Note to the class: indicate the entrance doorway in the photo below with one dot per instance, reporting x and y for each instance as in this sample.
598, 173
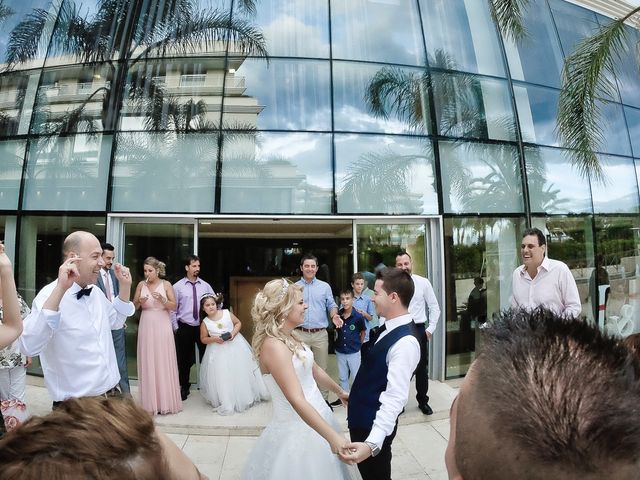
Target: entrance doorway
239, 255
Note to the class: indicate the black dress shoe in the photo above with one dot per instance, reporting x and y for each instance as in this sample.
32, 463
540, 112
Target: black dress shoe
336, 403
426, 409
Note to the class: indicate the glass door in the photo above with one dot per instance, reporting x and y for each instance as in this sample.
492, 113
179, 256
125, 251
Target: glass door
169, 240
377, 243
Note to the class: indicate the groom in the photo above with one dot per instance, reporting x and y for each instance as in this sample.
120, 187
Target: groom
381, 387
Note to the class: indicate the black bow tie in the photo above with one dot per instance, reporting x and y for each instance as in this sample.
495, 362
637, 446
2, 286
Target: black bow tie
375, 333
82, 292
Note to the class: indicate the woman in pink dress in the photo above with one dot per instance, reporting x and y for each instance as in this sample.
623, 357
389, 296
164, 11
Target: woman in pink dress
157, 367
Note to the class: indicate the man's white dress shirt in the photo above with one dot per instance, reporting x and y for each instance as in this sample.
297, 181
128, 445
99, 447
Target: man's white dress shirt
74, 343
424, 296
553, 287
402, 360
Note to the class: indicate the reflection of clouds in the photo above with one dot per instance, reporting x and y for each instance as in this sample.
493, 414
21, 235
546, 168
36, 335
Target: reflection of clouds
351, 113
558, 174
353, 149
290, 36
295, 93
357, 26
310, 152
620, 192
447, 27
350, 118
614, 130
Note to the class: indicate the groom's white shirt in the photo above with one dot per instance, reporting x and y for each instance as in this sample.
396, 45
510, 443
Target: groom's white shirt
402, 360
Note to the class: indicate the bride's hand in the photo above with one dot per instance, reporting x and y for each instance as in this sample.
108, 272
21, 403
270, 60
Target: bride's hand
338, 443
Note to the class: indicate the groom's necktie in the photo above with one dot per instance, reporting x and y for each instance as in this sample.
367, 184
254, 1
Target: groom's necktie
375, 333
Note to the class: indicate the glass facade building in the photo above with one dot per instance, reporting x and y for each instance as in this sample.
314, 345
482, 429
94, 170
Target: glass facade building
252, 131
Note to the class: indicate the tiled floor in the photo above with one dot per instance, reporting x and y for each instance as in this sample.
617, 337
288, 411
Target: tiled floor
418, 452
220, 445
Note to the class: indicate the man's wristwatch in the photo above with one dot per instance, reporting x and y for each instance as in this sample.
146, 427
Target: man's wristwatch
374, 448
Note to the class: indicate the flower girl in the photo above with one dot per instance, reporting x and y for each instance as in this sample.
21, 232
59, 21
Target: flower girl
229, 376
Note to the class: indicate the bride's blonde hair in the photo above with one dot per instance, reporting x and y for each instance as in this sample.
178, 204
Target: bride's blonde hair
271, 307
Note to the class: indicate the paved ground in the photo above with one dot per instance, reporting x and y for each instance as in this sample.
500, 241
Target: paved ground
219, 445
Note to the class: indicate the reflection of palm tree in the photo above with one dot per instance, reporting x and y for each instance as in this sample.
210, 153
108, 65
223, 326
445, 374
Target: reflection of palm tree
585, 81
5, 11
459, 108
380, 182
125, 30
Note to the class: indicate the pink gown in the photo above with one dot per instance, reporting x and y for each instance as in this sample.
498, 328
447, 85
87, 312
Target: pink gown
157, 366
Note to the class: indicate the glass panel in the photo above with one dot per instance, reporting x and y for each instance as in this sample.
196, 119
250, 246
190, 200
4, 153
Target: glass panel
479, 178
378, 245
89, 31
470, 106
24, 32
360, 91
461, 35
614, 130
276, 173
574, 23
17, 91
293, 28
538, 57
172, 29
356, 27
170, 244
480, 257
385, 174
67, 173
617, 274
633, 121
156, 172
183, 95
619, 192
555, 185
537, 111
626, 69
74, 99
283, 95
11, 161
40, 248
570, 240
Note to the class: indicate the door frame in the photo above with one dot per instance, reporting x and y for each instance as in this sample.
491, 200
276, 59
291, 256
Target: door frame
434, 251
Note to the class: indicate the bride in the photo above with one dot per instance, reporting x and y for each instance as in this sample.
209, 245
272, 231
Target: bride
302, 439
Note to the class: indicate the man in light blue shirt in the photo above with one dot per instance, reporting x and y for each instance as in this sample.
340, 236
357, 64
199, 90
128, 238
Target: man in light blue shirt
319, 299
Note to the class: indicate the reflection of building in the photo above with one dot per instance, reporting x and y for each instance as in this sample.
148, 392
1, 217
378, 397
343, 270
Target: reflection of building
160, 118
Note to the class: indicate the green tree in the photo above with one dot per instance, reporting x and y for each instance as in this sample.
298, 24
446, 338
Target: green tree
585, 80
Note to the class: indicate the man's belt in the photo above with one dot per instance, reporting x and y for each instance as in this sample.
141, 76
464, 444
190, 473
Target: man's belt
310, 330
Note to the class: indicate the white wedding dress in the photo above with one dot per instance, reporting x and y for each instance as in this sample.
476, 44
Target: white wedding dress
288, 448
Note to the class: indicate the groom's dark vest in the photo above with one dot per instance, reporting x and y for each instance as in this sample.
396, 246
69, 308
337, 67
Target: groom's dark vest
371, 380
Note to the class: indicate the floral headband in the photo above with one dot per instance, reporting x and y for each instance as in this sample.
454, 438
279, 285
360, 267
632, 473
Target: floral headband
285, 287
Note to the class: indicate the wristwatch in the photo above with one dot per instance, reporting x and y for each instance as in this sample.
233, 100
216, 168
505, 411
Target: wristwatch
374, 448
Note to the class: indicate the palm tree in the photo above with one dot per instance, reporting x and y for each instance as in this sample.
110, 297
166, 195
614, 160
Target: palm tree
585, 81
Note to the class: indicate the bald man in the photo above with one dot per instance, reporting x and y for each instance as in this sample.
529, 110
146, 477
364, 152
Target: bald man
71, 321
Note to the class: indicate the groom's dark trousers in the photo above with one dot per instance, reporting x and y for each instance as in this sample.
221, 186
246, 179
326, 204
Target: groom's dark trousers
378, 467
